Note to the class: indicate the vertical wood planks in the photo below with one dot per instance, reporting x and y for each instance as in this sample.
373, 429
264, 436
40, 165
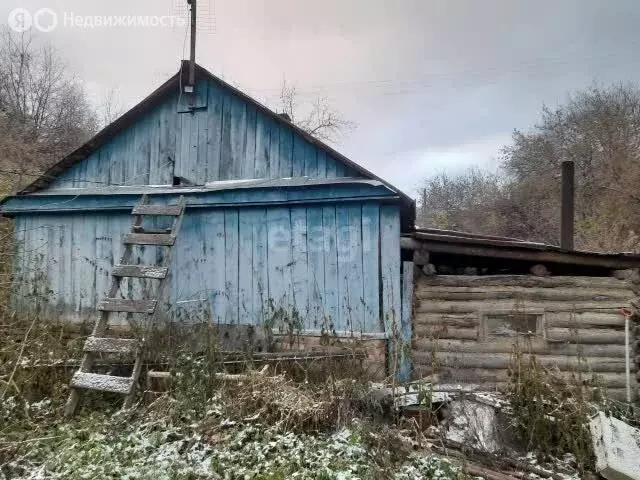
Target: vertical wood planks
286, 152
321, 164
331, 287
279, 263
227, 139
262, 166
390, 267
298, 161
260, 275
299, 263
315, 268
246, 308
226, 158
404, 367
214, 116
310, 159
215, 251
371, 266
274, 149
344, 252
247, 163
235, 115
231, 265
322, 261
355, 269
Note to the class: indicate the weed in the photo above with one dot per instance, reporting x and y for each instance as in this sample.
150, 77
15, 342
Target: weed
551, 412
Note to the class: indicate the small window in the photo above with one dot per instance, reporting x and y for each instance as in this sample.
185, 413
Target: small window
496, 325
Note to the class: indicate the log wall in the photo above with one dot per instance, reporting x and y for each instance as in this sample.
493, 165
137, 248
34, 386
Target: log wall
580, 328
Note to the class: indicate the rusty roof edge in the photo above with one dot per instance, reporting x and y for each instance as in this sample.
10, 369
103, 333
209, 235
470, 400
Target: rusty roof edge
510, 243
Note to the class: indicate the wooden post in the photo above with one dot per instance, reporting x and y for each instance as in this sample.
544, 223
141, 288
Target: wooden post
567, 218
406, 324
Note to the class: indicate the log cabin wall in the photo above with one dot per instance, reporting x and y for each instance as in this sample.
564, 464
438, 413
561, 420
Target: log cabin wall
465, 327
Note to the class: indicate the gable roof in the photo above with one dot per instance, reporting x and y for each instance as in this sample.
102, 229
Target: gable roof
170, 87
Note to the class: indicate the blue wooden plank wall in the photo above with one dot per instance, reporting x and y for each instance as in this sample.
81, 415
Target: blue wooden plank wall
228, 140
324, 267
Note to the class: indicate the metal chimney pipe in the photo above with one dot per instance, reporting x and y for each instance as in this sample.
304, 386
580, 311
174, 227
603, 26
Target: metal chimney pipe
567, 212
192, 57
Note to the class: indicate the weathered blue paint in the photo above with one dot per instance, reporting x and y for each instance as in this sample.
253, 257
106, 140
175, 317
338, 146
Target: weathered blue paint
241, 265
279, 230
406, 328
226, 139
197, 198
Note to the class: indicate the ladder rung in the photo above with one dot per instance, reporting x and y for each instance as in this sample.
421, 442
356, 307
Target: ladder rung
126, 305
103, 383
149, 239
140, 271
173, 210
141, 229
111, 345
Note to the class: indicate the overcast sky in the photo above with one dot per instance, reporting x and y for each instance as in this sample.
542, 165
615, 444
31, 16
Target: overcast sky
433, 85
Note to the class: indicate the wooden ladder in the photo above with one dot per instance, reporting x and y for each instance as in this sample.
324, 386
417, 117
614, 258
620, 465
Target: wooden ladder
97, 343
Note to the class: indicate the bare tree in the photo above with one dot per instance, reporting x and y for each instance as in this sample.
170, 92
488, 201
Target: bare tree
110, 107
41, 100
599, 129
317, 117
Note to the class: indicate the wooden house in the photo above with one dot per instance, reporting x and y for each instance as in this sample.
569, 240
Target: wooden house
476, 297
283, 233
280, 230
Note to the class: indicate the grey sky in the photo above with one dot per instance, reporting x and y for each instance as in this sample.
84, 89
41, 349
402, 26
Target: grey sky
434, 85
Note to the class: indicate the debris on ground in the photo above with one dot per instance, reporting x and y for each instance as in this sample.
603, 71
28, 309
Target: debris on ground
617, 448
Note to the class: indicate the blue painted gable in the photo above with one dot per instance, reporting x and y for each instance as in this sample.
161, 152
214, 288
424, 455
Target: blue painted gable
223, 138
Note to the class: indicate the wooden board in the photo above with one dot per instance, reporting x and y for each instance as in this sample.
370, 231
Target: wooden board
172, 210
140, 271
102, 383
149, 239
111, 345
125, 305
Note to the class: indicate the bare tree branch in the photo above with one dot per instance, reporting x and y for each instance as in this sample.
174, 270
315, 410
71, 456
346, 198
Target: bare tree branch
317, 117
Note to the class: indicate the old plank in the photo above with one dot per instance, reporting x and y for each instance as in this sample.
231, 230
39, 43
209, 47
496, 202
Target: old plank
169, 210
445, 331
599, 336
495, 361
473, 375
149, 239
430, 306
406, 321
126, 305
103, 383
140, 271
523, 293
584, 320
371, 266
464, 320
331, 292
523, 281
390, 267
111, 345
506, 346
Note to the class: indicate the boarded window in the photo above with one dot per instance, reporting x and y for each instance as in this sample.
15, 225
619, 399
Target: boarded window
512, 324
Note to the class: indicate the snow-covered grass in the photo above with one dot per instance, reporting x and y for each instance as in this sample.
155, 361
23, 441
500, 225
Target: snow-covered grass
145, 445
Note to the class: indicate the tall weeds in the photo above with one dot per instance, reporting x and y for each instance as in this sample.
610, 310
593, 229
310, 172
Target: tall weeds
551, 412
